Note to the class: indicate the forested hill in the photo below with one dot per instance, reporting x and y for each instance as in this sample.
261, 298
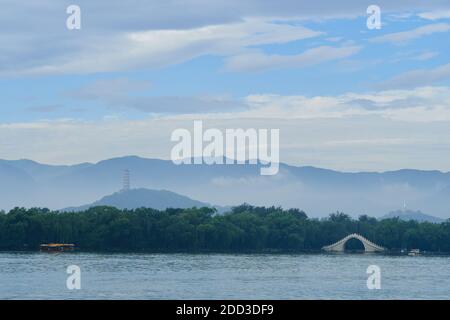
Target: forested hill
412, 215
137, 198
243, 229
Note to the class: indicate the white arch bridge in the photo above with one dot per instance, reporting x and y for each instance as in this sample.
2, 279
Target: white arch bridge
339, 246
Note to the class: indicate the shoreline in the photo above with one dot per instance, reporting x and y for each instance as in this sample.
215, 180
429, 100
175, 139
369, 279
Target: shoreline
241, 253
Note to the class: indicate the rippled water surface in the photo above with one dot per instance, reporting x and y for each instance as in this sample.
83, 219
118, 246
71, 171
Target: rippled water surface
222, 276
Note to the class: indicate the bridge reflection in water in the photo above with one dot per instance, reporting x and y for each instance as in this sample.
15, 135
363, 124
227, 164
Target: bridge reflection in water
339, 246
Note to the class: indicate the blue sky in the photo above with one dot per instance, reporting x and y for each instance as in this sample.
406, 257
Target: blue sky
140, 69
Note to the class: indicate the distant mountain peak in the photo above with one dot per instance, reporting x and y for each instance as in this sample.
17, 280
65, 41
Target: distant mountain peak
407, 215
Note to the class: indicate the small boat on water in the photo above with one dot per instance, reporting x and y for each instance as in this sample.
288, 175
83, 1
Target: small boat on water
57, 247
414, 252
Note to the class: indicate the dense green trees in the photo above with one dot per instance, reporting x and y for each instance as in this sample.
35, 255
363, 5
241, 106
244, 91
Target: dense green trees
244, 229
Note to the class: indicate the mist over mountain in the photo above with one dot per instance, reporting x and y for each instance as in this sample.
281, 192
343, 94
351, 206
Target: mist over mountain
317, 191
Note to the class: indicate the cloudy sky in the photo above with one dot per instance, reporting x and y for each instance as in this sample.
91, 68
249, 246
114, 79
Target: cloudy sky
343, 96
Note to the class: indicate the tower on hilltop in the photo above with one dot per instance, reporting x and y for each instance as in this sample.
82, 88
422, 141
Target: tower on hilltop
126, 180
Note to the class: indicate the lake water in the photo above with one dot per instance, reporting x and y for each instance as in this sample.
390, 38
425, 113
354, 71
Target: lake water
222, 276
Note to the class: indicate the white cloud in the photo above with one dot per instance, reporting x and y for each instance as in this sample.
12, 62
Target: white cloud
111, 88
258, 61
406, 36
414, 55
119, 94
419, 77
423, 104
118, 36
156, 48
435, 15
426, 104
426, 55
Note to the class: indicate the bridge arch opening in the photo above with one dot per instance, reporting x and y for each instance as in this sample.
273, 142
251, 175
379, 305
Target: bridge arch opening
354, 245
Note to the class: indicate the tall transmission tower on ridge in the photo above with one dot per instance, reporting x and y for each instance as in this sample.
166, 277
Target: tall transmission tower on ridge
126, 180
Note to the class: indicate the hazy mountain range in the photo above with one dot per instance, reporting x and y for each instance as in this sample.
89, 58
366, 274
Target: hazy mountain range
317, 191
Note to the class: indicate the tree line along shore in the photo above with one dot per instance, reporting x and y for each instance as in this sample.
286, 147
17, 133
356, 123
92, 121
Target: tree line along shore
244, 228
